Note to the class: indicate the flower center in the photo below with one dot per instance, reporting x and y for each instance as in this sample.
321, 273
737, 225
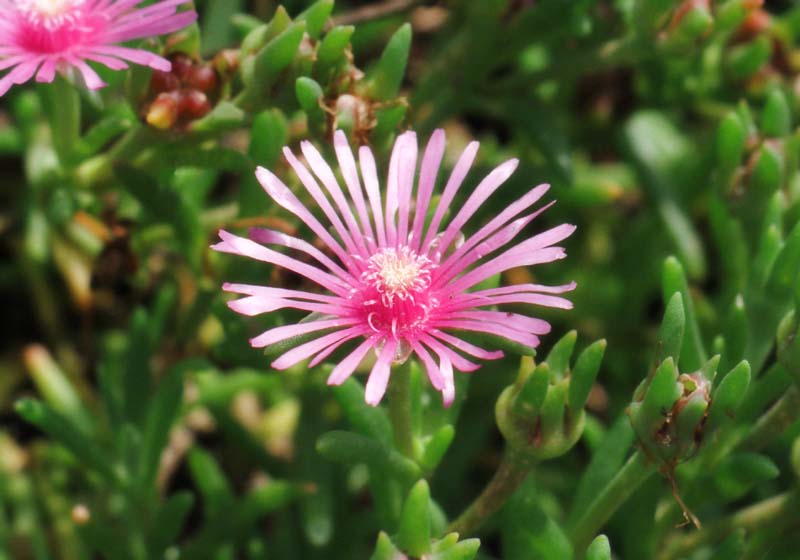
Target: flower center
51, 14
396, 290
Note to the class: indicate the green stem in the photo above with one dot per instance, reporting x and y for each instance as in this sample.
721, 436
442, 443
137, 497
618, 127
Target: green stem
509, 476
621, 487
399, 394
768, 513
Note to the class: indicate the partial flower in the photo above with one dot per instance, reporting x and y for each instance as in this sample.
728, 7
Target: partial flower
396, 277
38, 37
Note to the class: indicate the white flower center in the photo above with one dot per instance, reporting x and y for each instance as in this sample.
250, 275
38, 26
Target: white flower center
398, 274
50, 13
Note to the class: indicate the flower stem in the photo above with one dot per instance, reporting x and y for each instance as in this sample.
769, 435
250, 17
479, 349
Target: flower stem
509, 476
781, 508
399, 393
621, 487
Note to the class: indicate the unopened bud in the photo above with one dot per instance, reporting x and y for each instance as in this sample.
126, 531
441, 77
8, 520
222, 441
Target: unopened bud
193, 103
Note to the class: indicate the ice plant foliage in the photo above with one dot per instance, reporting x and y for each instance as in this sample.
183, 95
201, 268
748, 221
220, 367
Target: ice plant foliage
397, 278
38, 37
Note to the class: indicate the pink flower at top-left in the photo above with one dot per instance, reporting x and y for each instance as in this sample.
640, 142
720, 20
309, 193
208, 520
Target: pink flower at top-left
40, 37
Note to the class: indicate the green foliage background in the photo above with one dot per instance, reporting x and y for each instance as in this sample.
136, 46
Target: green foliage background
137, 423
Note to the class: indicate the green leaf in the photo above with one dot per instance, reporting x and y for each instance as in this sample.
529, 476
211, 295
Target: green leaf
600, 549
385, 549
331, 51
729, 394
462, 550
663, 392
731, 548
367, 420
735, 332
316, 16
137, 377
261, 70
776, 120
385, 78
693, 353
552, 411
731, 138
670, 335
224, 116
268, 134
436, 448
414, 533
349, 448
738, 473
785, 274
559, 356
584, 374
745, 60
167, 522
534, 391
210, 480
265, 499
66, 433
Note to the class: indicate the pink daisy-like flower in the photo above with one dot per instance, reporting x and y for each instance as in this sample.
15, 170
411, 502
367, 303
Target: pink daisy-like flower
38, 37
397, 281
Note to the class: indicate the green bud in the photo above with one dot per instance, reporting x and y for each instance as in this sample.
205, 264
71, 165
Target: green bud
534, 390
693, 24
384, 80
776, 120
745, 60
414, 534
310, 96
730, 15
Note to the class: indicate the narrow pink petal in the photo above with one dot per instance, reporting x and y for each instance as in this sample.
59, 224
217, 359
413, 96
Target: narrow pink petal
319, 197
483, 191
379, 376
285, 198
526, 297
109, 61
19, 75
513, 320
322, 170
245, 247
520, 288
279, 334
305, 351
47, 72
502, 237
451, 188
434, 375
269, 291
318, 359
466, 347
458, 361
90, 77
347, 164
431, 161
392, 193
370, 174
347, 366
406, 171
139, 56
449, 390
255, 305
510, 259
509, 213
269, 236
493, 329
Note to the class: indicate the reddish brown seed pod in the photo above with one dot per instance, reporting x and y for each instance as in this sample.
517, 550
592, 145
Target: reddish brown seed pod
164, 81
181, 66
193, 103
202, 78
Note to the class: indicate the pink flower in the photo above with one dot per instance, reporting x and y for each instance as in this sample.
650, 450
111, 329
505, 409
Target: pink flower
397, 279
38, 37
